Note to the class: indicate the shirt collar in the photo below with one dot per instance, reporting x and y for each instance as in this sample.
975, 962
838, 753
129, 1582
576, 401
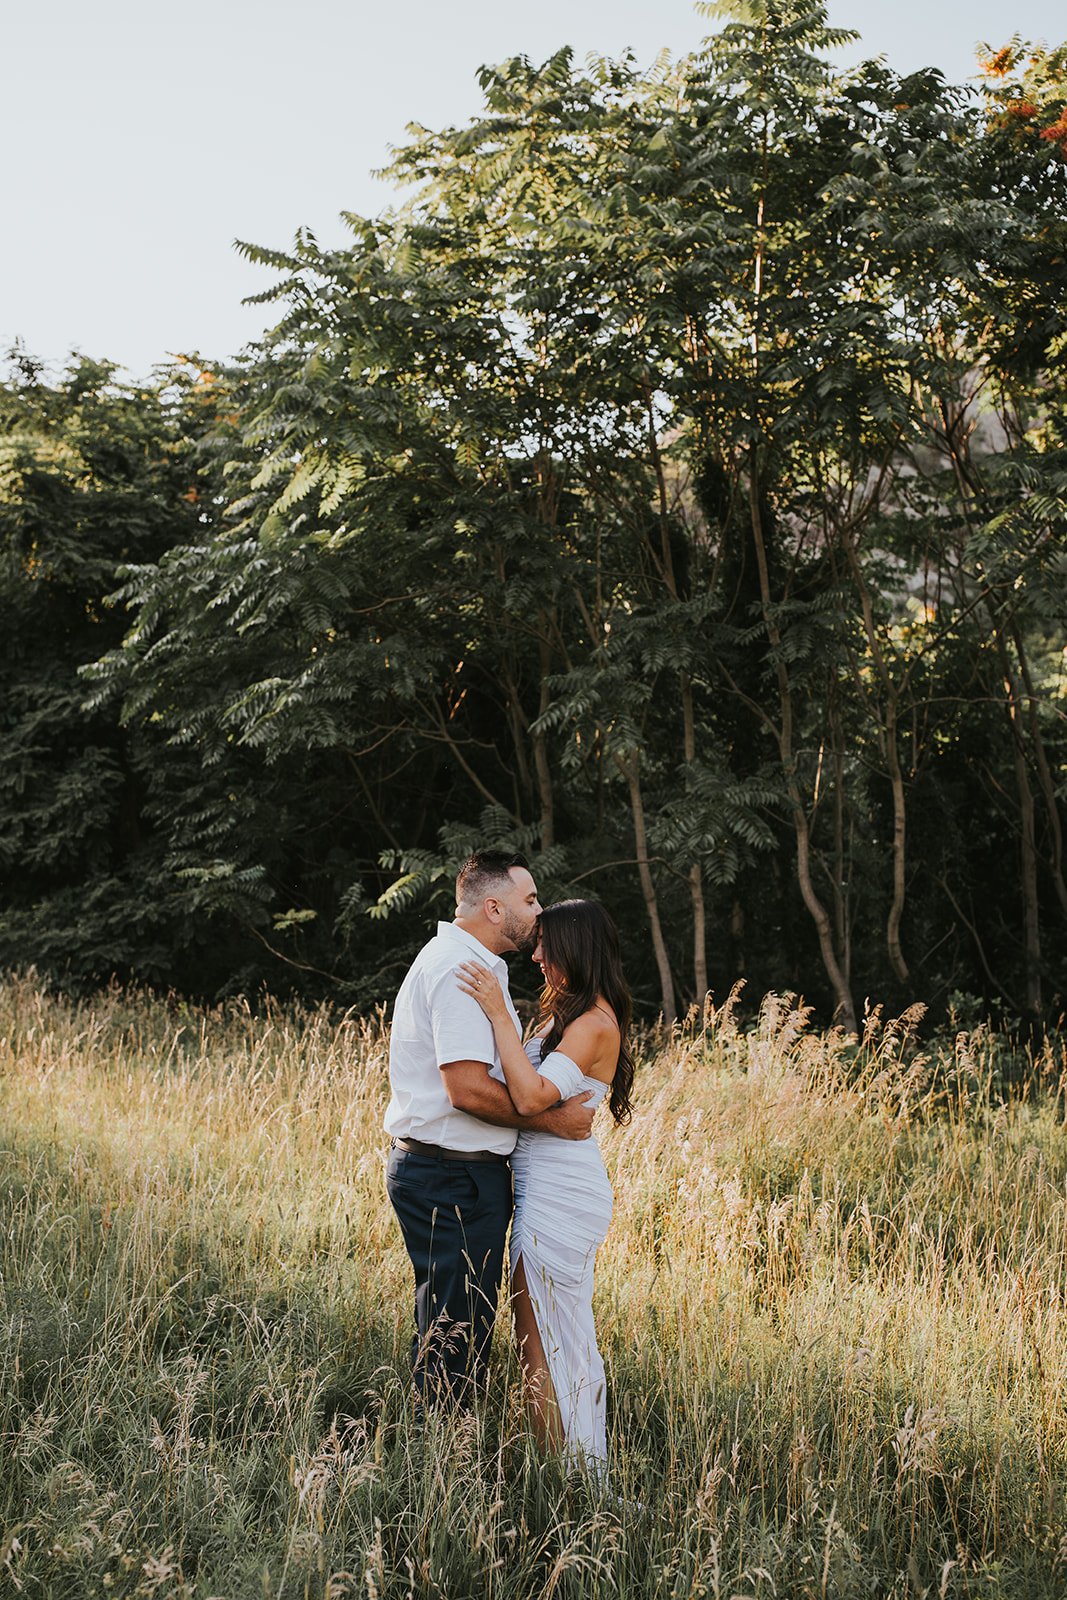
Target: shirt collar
491, 959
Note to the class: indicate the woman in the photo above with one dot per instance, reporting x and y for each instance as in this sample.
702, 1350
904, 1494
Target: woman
563, 1196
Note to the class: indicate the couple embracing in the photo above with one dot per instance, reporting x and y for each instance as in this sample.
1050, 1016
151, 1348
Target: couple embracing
486, 1131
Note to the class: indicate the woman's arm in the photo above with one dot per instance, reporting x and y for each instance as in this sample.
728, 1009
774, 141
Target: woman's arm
529, 1091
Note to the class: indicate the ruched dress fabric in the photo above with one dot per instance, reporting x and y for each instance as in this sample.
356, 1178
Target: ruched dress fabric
563, 1205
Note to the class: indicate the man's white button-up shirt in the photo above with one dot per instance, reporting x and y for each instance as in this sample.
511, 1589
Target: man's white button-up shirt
434, 1023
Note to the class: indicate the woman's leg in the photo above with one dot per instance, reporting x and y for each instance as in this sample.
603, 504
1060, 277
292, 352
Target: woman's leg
540, 1395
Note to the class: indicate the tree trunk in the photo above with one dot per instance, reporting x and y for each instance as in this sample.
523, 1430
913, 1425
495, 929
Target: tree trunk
543, 773
842, 880
1048, 788
896, 779
887, 738
629, 765
696, 876
518, 723
844, 1007
700, 951
969, 488
737, 937
1027, 852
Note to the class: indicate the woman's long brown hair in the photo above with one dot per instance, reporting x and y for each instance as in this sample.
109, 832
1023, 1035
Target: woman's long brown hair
580, 943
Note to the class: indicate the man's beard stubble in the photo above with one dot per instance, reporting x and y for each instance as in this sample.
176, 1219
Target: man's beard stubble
522, 935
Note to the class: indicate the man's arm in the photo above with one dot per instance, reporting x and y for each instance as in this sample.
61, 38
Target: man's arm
470, 1088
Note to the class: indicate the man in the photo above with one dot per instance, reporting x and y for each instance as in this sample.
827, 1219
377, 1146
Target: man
453, 1126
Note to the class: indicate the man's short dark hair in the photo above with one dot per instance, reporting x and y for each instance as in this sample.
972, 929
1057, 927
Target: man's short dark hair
486, 871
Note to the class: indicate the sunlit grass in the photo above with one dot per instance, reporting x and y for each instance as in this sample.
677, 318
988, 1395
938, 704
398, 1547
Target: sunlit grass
831, 1305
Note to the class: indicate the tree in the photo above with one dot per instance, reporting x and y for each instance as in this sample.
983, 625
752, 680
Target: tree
673, 487
93, 474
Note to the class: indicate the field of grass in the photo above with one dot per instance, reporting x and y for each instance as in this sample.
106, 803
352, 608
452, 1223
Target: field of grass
832, 1308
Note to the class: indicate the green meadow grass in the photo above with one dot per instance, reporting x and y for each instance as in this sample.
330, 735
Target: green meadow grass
831, 1306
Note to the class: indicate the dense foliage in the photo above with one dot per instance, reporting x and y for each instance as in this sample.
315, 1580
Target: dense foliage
675, 486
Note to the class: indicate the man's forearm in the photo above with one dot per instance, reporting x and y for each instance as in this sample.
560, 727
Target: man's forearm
489, 1101
542, 1121
471, 1089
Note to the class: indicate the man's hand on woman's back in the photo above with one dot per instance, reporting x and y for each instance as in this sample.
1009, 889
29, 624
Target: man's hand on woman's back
571, 1119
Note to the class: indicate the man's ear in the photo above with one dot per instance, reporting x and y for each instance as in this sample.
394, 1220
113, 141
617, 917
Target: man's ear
491, 908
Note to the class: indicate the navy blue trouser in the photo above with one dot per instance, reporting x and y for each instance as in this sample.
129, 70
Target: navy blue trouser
454, 1216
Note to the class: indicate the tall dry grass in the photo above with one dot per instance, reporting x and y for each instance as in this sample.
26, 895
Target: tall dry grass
831, 1305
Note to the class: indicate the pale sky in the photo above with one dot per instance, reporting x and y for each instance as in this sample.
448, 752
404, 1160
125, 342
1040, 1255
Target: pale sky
140, 139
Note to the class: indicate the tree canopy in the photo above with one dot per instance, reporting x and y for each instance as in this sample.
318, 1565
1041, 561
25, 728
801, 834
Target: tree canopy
673, 486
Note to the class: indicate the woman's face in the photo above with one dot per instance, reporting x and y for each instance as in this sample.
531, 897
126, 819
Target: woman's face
551, 975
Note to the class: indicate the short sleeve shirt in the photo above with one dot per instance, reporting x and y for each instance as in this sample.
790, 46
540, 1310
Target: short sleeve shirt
434, 1023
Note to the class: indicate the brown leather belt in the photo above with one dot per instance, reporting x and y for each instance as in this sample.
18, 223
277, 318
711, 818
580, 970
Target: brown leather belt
416, 1147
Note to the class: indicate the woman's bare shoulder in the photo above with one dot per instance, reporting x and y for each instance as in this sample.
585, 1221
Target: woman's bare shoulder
592, 1040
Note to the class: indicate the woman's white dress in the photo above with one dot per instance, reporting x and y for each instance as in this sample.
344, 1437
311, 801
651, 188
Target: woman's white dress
563, 1206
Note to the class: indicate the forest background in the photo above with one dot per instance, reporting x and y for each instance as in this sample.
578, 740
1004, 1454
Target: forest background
673, 487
